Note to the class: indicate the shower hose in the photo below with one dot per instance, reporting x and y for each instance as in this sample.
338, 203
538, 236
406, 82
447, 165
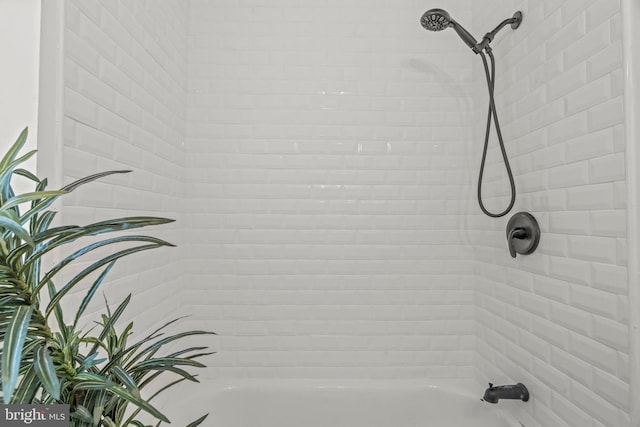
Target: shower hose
492, 113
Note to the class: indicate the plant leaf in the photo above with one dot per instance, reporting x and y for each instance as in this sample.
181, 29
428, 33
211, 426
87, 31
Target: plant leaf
97, 382
120, 392
87, 179
108, 422
198, 421
81, 413
154, 347
126, 379
13, 151
58, 310
15, 228
90, 381
96, 265
91, 292
7, 172
27, 174
83, 251
113, 318
27, 388
28, 197
14, 338
46, 371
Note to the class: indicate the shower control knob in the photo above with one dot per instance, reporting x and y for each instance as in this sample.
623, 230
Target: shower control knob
523, 234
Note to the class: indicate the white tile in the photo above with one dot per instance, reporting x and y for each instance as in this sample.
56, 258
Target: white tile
565, 83
573, 29
573, 366
568, 410
591, 248
600, 11
607, 60
572, 318
595, 405
611, 223
598, 196
569, 175
593, 352
607, 168
592, 145
594, 300
611, 333
594, 41
606, 115
594, 93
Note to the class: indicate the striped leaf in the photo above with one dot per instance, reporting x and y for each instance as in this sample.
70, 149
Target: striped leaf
14, 150
81, 413
145, 406
29, 197
198, 421
15, 228
91, 292
14, 338
27, 174
27, 388
89, 248
126, 380
58, 310
96, 382
88, 179
90, 269
7, 172
46, 371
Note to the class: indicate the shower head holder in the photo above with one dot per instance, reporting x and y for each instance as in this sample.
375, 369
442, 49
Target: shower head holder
514, 21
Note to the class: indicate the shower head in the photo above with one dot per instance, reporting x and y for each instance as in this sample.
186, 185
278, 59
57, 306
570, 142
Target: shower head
439, 19
435, 20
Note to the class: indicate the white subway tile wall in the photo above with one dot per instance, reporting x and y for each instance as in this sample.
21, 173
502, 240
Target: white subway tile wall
556, 320
125, 108
321, 162
328, 177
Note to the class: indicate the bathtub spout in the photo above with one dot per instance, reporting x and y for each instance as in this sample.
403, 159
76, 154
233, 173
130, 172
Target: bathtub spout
494, 393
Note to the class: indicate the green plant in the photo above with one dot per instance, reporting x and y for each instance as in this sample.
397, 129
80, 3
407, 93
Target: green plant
46, 359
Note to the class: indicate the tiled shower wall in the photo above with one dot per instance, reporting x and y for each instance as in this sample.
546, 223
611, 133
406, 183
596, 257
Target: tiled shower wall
328, 165
124, 108
557, 320
328, 186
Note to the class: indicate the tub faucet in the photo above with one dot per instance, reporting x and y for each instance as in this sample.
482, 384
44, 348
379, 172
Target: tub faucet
495, 393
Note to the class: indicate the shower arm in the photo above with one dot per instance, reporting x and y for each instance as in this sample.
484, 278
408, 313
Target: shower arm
515, 21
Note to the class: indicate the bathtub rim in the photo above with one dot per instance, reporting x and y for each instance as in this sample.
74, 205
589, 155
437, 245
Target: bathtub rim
464, 389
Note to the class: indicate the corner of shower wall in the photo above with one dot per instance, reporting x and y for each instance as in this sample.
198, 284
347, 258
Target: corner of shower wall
123, 106
557, 320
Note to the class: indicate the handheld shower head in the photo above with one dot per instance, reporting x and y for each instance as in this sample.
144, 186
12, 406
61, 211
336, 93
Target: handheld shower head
439, 19
435, 20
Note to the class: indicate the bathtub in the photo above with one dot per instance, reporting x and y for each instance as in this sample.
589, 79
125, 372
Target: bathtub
357, 404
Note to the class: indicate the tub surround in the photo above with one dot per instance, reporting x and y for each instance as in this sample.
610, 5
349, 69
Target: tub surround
321, 160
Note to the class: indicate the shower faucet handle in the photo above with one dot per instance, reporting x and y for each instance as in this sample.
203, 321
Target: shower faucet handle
523, 234
515, 233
